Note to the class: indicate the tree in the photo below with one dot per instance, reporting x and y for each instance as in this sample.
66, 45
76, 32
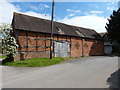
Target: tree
9, 42
113, 27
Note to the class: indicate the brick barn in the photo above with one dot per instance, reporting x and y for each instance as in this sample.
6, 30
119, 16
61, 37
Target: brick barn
33, 37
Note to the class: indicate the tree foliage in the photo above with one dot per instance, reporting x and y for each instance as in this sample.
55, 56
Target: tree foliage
9, 42
113, 26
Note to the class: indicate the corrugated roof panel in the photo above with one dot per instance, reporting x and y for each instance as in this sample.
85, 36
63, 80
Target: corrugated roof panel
79, 33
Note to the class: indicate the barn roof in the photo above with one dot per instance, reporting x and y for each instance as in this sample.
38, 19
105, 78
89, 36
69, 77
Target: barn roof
30, 23
102, 34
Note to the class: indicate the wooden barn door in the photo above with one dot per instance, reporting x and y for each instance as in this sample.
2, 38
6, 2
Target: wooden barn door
62, 49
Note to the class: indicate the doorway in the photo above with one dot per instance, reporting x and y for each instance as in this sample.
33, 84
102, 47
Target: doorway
61, 49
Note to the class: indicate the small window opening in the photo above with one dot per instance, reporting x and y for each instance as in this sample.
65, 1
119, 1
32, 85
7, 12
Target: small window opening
60, 31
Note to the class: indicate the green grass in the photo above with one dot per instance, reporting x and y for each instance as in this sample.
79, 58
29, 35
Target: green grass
35, 62
3, 56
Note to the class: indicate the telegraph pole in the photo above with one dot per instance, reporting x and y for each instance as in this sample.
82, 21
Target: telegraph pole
52, 26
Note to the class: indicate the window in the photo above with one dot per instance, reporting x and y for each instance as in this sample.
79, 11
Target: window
94, 46
96, 41
60, 31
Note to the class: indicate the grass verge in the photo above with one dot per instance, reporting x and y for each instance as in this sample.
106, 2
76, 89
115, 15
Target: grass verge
35, 62
3, 56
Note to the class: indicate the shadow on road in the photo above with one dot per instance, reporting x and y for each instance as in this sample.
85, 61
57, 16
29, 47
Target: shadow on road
114, 80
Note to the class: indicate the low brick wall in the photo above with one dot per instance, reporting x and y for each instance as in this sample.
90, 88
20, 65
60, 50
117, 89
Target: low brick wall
22, 56
0, 45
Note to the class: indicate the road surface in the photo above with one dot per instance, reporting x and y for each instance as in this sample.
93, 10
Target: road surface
87, 72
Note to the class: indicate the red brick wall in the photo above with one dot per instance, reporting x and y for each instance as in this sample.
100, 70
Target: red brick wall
76, 47
22, 56
91, 47
98, 49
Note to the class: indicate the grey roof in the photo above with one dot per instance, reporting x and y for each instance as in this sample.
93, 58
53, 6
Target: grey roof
29, 23
102, 34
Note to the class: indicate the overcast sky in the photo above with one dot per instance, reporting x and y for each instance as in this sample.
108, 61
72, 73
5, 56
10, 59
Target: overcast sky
92, 15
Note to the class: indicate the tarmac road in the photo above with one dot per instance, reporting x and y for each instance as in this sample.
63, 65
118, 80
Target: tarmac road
87, 72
